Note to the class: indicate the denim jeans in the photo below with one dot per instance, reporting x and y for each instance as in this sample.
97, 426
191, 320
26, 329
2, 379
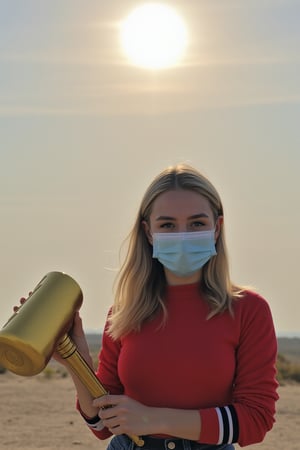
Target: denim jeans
123, 442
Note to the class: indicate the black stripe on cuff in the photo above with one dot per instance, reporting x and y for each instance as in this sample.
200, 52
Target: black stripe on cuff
92, 420
225, 426
235, 423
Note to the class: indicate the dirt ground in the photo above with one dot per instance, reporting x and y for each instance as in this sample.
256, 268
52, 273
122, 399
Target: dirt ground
39, 413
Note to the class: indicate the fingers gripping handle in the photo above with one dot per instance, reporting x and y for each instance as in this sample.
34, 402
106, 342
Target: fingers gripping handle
68, 351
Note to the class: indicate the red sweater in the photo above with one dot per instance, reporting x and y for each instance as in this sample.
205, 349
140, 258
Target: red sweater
224, 367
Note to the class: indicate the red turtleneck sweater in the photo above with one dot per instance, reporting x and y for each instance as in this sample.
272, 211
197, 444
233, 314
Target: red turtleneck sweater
224, 367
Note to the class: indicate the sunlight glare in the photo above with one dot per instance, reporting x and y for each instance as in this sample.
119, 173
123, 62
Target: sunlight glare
153, 36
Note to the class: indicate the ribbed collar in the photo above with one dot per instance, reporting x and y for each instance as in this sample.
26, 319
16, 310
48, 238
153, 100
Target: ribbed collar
183, 289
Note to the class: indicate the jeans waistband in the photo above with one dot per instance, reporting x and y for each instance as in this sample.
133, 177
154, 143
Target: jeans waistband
151, 443
163, 444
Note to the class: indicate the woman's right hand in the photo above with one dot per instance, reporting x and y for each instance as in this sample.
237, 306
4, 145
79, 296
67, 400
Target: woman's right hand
77, 335
21, 301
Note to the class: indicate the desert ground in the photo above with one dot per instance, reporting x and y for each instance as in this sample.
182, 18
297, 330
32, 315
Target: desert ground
39, 413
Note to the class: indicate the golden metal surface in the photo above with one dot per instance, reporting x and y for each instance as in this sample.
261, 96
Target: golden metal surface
29, 338
67, 350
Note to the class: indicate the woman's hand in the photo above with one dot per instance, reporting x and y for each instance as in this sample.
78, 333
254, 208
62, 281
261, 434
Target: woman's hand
77, 335
123, 415
21, 301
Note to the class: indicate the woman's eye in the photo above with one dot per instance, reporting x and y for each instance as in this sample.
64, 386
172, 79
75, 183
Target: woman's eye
197, 224
167, 225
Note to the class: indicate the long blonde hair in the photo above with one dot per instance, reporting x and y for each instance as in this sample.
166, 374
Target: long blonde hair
141, 281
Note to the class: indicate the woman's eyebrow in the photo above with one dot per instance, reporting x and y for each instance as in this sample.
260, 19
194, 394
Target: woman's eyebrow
165, 218
194, 216
199, 216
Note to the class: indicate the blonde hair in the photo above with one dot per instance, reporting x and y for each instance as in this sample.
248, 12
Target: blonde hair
141, 281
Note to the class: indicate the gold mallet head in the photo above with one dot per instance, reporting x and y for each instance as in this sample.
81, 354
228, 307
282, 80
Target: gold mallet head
30, 336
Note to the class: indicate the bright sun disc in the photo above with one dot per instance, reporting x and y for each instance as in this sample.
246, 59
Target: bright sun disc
153, 36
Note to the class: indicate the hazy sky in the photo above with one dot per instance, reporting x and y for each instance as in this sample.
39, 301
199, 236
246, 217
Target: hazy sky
83, 132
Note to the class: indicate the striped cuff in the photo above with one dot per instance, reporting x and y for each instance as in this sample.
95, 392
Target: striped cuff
95, 423
228, 425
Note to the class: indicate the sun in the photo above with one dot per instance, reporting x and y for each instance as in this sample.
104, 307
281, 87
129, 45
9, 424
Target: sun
153, 36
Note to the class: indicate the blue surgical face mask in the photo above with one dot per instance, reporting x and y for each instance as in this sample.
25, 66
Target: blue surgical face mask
184, 253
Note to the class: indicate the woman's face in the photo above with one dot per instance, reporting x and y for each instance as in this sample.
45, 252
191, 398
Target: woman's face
180, 211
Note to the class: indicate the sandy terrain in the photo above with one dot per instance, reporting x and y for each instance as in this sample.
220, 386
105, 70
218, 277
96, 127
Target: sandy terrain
39, 413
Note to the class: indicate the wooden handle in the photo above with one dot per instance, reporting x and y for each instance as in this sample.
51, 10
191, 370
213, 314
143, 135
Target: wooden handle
68, 351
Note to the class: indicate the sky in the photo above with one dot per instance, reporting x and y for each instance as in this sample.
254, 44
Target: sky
83, 132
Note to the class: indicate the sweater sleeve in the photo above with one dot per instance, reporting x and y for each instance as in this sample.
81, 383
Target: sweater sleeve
252, 411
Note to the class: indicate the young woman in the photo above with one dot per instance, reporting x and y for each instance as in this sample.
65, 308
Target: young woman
188, 358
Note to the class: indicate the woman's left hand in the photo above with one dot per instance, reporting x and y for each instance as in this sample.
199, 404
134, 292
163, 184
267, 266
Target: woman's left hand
123, 415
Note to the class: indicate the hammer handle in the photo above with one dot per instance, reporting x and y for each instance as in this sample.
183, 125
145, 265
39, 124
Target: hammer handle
68, 351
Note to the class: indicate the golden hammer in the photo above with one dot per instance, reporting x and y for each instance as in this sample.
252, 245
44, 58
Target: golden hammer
40, 326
